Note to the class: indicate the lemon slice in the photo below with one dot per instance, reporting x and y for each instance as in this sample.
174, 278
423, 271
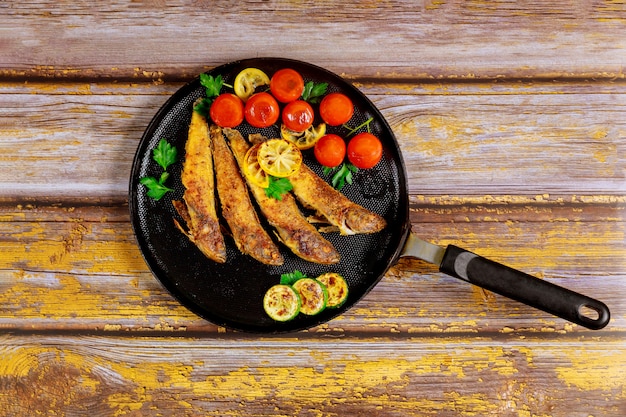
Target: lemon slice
252, 169
306, 139
247, 81
279, 157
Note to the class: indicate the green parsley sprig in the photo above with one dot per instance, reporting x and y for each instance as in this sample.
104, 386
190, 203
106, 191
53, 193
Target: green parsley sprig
313, 92
342, 174
164, 155
156, 188
213, 87
278, 187
290, 278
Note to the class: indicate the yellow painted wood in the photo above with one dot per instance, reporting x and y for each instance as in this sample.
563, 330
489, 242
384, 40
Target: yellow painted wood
431, 376
77, 269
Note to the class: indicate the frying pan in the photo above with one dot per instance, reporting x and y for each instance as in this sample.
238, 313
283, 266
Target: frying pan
231, 294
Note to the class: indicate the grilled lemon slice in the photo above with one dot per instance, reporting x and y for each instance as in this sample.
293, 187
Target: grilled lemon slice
279, 158
306, 139
247, 81
252, 169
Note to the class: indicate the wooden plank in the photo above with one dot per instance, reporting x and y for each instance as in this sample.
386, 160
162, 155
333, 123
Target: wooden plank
429, 39
76, 141
81, 269
442, 376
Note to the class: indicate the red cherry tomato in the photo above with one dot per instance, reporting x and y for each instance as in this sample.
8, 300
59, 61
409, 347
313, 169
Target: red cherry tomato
286, 85
298, 115
364, 150
330, 150
227, 110
336, 109
261, 110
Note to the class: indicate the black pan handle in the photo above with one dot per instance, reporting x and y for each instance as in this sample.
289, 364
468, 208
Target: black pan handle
501, 279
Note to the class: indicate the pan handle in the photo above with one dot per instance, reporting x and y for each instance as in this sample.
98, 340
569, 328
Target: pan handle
517, 285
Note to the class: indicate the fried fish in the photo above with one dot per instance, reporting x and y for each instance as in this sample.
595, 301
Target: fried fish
198, 206
301, 237
350, 217
237, 209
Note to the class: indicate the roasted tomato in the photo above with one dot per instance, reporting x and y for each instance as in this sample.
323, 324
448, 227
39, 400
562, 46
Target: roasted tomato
227, 110
298, 115
261, 110
364, 150
330, 150
336, 109
286, 85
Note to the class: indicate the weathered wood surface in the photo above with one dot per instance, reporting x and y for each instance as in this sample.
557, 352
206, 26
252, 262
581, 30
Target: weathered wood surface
511, 121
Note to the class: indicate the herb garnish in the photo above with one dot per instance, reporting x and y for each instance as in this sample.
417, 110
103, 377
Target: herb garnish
164, 155
156, 188
342, 174
212, 86
291, 277
278, 187
313, 92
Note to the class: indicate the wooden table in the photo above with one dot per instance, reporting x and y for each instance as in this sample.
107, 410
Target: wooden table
511, 119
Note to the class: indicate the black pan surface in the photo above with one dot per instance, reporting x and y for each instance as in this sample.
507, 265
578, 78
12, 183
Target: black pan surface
231, 294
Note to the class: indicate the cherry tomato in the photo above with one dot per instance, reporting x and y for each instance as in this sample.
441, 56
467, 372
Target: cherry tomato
298, 115
330, 150
227, 110
286, 85
261, 110
336, 109
364, 150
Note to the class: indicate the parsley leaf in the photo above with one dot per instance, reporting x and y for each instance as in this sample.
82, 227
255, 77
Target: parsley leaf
291, 277
278, 187
313, 92
342, 175
213, 85
203, 107
164, 154
156, 188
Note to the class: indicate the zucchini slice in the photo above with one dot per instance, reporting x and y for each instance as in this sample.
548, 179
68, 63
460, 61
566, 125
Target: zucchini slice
281, 302
337, 289
313, 294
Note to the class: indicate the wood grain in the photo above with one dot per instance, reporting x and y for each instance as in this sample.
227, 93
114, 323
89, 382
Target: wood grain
444, 376
391, 39
488, 139
81, 269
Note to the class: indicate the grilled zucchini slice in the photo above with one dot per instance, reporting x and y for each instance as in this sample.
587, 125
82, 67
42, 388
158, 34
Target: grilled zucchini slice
337, 288
313, 294
282, 302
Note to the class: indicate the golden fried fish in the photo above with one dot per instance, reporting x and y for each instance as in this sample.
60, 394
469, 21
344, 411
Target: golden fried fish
237, 209
351, 218
198, 206
284, 215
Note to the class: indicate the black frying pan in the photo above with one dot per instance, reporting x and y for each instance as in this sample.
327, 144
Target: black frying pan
231, 294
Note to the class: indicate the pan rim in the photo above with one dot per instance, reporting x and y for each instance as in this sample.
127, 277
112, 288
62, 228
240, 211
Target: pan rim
401, 230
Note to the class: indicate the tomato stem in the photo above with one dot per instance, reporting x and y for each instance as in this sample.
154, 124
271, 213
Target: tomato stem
365, 123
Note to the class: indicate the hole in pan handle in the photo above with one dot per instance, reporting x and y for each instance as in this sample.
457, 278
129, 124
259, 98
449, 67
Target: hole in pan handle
511, 283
